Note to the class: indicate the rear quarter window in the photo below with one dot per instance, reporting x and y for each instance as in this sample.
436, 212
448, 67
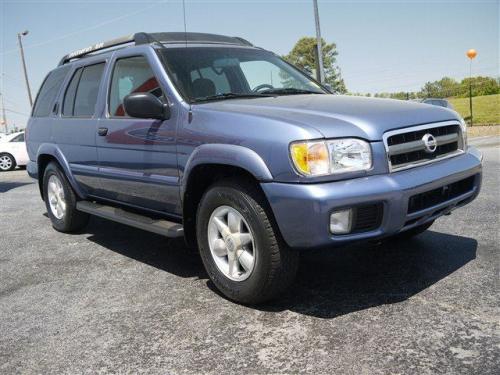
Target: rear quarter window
48, 92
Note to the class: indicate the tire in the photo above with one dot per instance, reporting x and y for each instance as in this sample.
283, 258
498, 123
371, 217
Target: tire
7, 162
69, 219
413, 231
274, 264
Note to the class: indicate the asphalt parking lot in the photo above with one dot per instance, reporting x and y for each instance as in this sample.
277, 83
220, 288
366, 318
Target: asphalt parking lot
115, 299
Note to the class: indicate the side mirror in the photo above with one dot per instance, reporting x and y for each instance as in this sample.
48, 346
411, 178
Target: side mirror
146, 105
328, 87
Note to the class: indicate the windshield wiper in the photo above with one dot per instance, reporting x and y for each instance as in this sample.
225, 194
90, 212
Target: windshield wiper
289, 91
232, 95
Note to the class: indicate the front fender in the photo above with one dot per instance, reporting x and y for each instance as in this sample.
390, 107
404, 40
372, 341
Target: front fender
224, 154
50, 149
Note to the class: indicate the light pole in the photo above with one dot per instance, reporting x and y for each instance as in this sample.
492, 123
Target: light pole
19, 36
471, 54
318, 43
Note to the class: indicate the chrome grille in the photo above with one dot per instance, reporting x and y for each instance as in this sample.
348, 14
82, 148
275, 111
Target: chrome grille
410, 147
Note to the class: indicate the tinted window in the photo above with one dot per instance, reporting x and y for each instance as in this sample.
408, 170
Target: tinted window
87, 90
200, 72
48, 92
218, 78
266, 74
69, 97
19, 138
131, 75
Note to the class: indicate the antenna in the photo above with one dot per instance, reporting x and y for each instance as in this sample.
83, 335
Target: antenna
185, 26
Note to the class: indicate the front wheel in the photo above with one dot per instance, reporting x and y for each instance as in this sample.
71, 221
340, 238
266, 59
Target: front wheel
240, 247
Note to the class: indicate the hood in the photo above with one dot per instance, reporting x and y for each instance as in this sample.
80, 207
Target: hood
339, 115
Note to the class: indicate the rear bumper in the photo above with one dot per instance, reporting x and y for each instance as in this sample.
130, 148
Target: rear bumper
302, 211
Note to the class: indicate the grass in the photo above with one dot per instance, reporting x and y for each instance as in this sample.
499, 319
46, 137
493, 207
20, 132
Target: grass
486, 109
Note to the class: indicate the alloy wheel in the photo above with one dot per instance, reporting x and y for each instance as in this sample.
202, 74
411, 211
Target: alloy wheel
231, 243
55, 195
5, 162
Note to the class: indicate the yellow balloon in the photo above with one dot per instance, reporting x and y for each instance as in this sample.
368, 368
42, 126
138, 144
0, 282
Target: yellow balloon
471, 53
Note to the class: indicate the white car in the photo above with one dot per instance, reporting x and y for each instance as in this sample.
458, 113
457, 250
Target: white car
13, 151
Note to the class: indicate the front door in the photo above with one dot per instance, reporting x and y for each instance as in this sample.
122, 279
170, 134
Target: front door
137, 157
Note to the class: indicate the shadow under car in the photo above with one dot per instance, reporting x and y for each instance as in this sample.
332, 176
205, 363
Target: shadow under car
330, 282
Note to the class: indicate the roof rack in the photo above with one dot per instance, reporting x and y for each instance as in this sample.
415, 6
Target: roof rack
147, 38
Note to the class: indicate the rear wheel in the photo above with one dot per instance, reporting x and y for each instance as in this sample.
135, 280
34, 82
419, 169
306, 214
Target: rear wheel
7, 162
240, 247
60, 200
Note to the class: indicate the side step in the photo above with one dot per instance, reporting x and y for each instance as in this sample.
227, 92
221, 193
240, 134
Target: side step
162, 227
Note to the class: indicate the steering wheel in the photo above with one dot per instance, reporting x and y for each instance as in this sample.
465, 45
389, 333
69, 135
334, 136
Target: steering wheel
263, 86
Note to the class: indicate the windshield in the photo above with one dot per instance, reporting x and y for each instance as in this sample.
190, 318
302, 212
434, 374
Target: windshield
217, 73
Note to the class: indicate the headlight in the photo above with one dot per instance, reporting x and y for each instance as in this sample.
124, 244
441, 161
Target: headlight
319, 158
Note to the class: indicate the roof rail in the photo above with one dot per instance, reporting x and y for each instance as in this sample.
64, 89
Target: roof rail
97, 47
147, 38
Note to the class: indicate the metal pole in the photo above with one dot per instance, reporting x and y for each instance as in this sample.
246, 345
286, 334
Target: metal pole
19, 35
470, 91
4, 117
318, 43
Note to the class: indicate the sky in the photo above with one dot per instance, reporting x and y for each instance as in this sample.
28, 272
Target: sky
383, 46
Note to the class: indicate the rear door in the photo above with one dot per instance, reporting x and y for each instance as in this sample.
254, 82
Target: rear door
137, 157
75, 129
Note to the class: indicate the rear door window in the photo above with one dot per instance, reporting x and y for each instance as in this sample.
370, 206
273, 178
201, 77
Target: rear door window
48, 92
131, 75
87, 90
69, 97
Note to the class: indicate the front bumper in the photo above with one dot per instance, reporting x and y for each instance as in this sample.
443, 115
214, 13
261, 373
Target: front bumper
302, 211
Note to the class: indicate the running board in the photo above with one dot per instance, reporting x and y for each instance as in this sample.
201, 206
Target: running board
162, 227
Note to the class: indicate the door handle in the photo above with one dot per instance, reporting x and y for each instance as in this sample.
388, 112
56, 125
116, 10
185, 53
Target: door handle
102, 131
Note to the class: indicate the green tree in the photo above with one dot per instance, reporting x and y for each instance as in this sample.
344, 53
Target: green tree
480, 86
303, 55
448, 87
443, 88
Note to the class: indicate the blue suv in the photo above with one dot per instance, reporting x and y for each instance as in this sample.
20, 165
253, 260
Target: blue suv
250, 159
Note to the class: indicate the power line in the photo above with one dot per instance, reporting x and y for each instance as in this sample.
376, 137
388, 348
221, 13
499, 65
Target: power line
18, 113
104, 23
11, 102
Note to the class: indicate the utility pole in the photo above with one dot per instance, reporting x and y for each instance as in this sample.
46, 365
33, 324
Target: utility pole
19, 36
4, 117
319, 44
